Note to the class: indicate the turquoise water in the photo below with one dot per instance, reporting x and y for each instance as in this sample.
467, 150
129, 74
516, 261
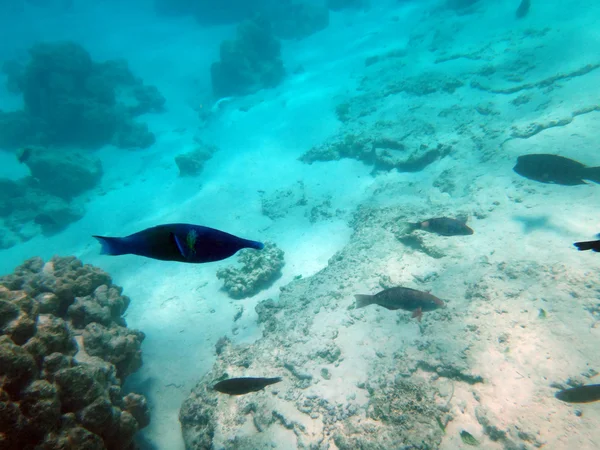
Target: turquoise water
334, 127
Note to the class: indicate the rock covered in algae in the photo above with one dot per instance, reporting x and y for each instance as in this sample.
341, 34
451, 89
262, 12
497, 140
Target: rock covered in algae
61, 369
259, 270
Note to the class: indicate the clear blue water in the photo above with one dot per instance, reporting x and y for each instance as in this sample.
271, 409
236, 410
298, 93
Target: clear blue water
415, 109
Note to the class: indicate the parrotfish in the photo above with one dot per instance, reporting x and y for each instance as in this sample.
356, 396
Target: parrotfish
178, 242
555, 169
588, 245
580, 394
444, 226
402, 298
241, 386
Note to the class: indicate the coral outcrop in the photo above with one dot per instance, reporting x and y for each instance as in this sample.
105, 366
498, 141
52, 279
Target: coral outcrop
259, 270
65, 174
72, 101
190, 164
381, 150
64, 354
47, 200
250, 62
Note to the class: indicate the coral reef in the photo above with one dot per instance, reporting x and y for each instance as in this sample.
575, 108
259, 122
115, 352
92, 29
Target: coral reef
47, 200
260, 269
190, 164
250, 62
72, 101
380, 150
291, 19
64, 354
65, 174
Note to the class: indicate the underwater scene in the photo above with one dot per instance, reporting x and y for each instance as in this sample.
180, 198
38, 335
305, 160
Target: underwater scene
299, 224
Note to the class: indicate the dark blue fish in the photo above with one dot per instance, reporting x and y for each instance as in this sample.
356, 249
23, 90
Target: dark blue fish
589, 245
178, 242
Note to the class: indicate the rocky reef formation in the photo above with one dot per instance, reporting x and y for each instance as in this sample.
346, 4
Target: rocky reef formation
65, 352
249, 63
191, 163
72, 101
259, 270
381, 149
47, 200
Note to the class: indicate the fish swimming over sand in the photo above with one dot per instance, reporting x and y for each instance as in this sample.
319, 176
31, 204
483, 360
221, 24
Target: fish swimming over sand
178, 242
580, 394
588, 245
555, 169
402, 298
444, 226
241, 386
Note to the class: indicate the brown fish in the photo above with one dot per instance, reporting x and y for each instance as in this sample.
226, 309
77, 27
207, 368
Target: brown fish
402, 298
444, 226
245, 385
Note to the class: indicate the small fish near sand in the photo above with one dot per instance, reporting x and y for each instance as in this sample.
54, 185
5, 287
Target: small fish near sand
402, 298
554, 169
180, 242
241, 386
580, 394
444, 226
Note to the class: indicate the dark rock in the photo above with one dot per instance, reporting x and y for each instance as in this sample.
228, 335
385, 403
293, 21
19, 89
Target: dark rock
249, 63
190, 164
17, 365
137, 406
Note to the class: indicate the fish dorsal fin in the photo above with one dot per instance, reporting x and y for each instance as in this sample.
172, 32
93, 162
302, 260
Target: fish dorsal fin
463, 219
180, 245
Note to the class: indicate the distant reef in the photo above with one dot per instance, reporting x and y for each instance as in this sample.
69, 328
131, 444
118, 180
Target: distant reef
291, 19
49, 199
250, 62
69, 100
65, 352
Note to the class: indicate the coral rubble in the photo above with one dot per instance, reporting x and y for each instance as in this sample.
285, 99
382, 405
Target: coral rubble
260, 269
64, 354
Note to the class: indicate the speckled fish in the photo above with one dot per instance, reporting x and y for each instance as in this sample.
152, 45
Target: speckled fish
402, 298
178, 242
555, 169
444, 226
580, 394
241, 386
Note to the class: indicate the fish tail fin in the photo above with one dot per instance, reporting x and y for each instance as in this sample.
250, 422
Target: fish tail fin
409, 227
112, 246
255, 245
588, 245
363, 300
592, 174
